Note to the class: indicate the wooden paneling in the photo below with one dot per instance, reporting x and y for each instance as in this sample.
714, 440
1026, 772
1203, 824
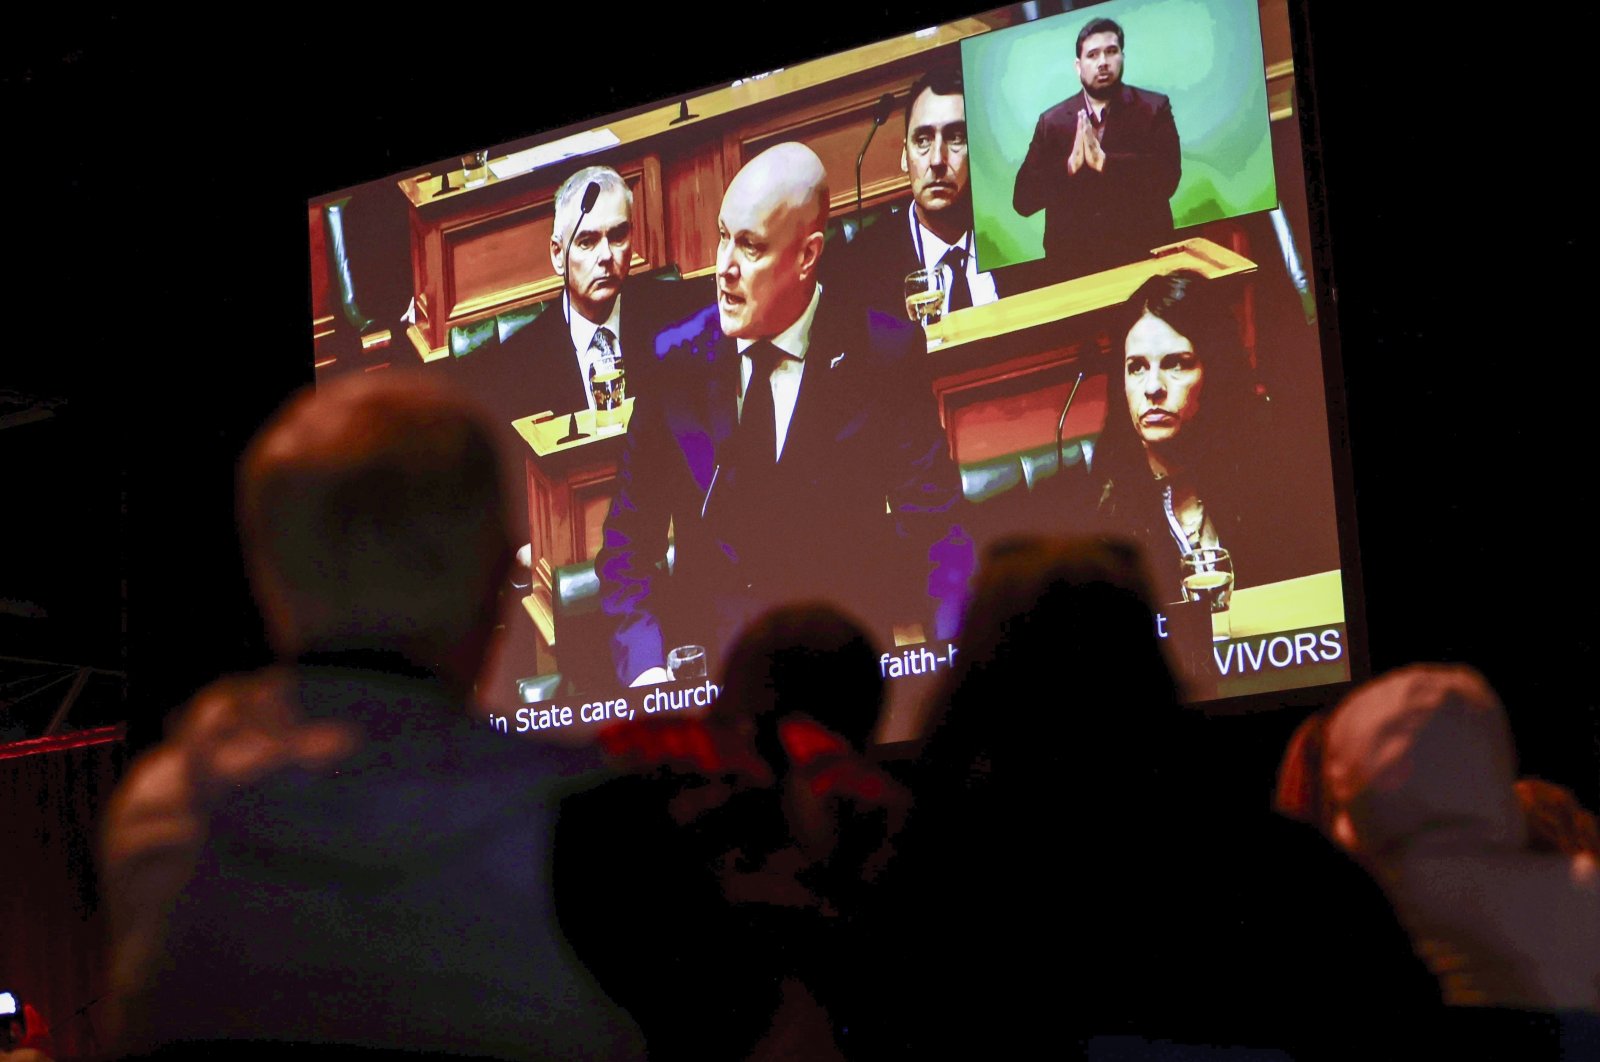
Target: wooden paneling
500, 259
693, 182
730, 106
1015, 420
475, 257
591, 501
569, 494
835, 129
477, 252
1277, 54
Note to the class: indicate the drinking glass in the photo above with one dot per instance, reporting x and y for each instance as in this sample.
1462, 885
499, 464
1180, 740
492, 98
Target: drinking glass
687, 663
476, 166
1208, 577
925, 299
609, 382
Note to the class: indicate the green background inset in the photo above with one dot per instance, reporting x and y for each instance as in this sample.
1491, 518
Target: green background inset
1204, 54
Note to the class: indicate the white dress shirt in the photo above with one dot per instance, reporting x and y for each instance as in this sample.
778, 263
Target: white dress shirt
933, 250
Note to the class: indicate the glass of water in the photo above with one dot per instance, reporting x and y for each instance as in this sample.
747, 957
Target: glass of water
609, 382
687, 663
1208, 577
476, 167
925, 299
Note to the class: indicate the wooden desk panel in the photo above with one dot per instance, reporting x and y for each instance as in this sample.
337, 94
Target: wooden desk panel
835, 129
570, 485
1007, 360
473, 257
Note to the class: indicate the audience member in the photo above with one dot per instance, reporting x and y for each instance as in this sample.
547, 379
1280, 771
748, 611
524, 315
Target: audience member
756, 825
1556, 821
1070, 873
1300, 794
333, 850
1420, 770
24, 1034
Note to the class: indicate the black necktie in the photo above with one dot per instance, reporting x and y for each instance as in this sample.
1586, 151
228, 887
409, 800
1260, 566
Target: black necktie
960, 292
758, 422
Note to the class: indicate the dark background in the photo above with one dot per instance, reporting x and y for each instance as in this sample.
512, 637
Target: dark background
156, 172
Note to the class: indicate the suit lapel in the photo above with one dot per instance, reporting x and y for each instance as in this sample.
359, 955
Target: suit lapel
722, 387
824, 393
552, 365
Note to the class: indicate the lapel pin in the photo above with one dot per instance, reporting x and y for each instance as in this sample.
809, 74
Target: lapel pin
835, 362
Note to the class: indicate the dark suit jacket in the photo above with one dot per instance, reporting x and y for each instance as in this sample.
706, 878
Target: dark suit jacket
1096, 220
536, 369
872, 268
856, 511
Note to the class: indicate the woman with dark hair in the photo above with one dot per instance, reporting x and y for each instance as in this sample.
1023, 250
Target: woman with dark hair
1187, 460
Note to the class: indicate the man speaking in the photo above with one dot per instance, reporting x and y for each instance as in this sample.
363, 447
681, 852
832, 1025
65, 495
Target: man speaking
1103, 165
790, 442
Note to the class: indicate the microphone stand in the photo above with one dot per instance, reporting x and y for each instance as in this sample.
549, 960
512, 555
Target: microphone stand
591, 195
879, 115
1061, 423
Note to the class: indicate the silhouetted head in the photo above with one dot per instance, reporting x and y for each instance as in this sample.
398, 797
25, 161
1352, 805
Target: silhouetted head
1059, 667
1556, 821
373, 517
1422, 757
1300, 794
808, 659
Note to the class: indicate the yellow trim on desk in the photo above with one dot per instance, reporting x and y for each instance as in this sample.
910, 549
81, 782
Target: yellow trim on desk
749, 92
419, 342
542, 431
1290, 605
1029, 309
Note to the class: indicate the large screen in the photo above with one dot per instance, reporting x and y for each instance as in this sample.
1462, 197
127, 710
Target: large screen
829, 331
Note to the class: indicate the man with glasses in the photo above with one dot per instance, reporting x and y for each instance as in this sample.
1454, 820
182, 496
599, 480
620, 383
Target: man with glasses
1103, 165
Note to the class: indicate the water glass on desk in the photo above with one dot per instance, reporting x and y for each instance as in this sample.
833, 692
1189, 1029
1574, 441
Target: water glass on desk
687, 663
608, 380
1208, 577
925, 299
476, 167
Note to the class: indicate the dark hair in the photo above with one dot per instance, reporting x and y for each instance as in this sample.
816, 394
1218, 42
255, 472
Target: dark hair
1099, 25
1300, 794
1064, 627
1228, 422
807, 658
1557, 823
941, 80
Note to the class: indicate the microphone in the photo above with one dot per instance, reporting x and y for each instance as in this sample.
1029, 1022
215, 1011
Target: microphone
591, 195
1061, 423
880, 114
